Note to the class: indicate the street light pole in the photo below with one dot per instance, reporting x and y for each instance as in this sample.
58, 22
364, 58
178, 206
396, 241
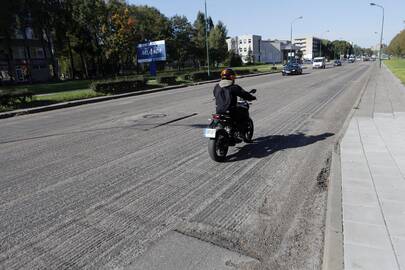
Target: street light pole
382, 29
299, 18
206, 39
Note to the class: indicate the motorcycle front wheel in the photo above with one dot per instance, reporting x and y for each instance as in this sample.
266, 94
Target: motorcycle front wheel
218, 147
249, 130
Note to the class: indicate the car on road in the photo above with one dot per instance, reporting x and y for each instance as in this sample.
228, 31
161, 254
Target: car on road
319, 62
351, 60
337, 63
291, 69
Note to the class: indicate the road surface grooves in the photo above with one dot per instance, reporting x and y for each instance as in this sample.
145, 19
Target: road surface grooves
94, 187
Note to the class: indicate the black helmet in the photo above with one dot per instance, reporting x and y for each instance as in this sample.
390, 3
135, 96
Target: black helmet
228, 74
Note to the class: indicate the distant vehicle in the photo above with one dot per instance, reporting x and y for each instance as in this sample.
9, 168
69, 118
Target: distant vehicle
291, 69
351, 60
337, 63
307, 61
319, 62
366, 58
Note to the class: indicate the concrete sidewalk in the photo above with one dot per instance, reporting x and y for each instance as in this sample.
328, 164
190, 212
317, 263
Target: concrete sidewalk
373, 178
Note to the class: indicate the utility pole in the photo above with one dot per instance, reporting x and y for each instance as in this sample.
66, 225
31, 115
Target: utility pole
299, 18
206, 39
382, 30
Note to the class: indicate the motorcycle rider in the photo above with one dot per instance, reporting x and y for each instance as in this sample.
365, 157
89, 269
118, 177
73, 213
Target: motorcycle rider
226, 95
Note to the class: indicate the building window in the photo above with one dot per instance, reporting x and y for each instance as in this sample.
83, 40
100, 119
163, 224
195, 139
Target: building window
19, 53
37, 53
240, 42
250, 41
240, 49
18, 34
244, 41
245, 50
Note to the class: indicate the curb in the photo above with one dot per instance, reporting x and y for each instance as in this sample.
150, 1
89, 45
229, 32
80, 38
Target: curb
106, 98
333, 255
333, 252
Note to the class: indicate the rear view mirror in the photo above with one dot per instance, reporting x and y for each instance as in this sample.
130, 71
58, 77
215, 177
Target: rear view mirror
252, 91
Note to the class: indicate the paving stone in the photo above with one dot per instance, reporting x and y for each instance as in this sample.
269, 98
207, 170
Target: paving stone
399, 245
367, 235
361, 198
366, 258
362, 214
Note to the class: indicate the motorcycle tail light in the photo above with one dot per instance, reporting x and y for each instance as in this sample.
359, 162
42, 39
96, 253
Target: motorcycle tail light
216, 116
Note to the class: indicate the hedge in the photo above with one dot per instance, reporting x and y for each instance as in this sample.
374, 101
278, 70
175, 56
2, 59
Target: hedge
203, 76
169, 79
118, 86
242, 71
13, 96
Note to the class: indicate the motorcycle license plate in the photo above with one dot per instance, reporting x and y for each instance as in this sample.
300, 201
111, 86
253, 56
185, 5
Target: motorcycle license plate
209, 133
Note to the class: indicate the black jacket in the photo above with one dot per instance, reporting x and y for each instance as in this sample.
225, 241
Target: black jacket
226, 96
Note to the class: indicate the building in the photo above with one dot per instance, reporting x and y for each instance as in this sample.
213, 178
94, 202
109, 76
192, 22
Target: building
24, 58
310, 46
252, 48
247, 46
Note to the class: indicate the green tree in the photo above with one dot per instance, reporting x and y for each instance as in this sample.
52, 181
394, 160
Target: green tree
199, 54
8, 25
121, 39
397, 45
180, 44
342, 48
218, 45
233, 60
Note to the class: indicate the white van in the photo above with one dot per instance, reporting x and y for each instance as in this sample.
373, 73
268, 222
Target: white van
319, 62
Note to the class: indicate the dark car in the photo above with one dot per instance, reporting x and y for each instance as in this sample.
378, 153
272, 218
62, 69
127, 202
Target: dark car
291, 69
337, 63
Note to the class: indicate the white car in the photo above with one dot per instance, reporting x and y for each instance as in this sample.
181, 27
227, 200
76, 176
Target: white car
319, 62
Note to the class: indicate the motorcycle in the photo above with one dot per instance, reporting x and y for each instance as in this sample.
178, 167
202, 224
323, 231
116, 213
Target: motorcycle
223, 132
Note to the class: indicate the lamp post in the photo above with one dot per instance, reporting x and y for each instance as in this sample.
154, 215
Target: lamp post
320, 43
206, 39
382, 29
296, 19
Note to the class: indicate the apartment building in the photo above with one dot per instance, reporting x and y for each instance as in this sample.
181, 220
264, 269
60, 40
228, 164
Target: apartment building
310, 46
259, 50
24, 58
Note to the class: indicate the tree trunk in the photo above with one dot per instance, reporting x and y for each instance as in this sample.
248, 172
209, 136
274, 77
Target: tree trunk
27, 55
53, 60
84, 66
72, 64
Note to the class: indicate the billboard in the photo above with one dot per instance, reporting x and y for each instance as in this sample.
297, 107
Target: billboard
151, 51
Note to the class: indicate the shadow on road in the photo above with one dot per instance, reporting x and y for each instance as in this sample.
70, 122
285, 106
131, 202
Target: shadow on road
266, 146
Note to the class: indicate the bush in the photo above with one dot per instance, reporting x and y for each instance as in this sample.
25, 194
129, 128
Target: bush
242, 71
233, 60
185, 77
118, 86
203, 76
13, 96
169, 79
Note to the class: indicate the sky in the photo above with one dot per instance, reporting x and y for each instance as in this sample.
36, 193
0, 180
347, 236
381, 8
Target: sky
352, 20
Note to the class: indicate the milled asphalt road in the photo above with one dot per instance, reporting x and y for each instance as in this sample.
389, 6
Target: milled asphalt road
97, 186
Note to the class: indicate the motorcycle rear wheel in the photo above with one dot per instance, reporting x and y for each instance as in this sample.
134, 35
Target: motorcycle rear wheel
218, 147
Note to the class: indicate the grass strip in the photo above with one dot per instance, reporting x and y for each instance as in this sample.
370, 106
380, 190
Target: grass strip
397, 66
